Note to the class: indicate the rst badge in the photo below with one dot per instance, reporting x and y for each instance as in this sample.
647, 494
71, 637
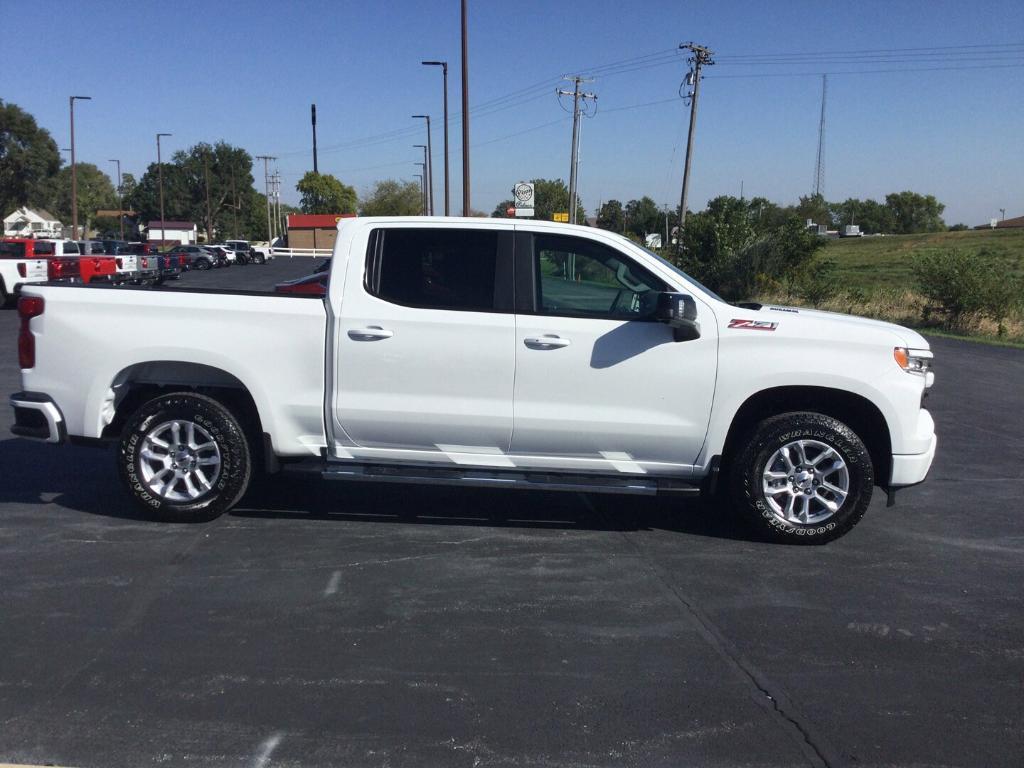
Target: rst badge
754, 325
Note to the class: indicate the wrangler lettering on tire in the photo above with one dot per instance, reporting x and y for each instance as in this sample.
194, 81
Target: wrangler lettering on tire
184, 457
802, 477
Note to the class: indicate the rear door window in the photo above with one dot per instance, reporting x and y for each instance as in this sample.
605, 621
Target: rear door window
12, 250
448, 269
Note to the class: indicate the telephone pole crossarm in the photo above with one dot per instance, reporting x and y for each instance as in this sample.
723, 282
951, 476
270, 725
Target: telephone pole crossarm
577, 98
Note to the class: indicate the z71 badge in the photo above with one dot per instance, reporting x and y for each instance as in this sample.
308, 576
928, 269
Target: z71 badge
754, 325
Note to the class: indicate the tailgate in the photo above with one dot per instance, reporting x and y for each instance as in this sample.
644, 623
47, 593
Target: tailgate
33, 270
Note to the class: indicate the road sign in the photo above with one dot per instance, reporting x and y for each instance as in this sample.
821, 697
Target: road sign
522, 194
563, 216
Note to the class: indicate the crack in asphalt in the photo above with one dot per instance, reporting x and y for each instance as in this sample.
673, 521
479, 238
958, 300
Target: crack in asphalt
815, 746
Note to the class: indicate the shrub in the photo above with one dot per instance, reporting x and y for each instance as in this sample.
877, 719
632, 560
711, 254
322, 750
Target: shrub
817, 282
953, 283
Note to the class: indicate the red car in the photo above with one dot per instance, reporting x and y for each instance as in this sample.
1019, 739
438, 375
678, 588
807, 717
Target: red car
311, 285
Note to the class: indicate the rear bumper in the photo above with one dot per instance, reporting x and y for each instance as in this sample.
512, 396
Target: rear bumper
912, 468
36, 416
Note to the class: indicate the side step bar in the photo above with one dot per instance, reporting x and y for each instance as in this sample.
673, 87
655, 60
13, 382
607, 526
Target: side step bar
539, 481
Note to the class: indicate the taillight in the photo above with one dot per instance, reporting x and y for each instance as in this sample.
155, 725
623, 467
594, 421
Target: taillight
28, 307
181, 260
22, 270
56, 269
145, 263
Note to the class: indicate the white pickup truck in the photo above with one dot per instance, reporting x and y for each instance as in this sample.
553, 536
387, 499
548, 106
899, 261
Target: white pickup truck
485, 352
17, 268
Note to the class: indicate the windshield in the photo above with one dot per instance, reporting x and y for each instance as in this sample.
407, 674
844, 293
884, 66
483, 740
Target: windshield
680, 272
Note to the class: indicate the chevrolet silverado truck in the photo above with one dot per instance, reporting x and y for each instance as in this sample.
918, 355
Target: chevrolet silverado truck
498, 353
18, 266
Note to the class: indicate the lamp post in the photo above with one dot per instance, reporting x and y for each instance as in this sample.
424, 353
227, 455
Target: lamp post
466, 208
74, 171
160, 174
420, 177
444, 70
426, 178
430, 167
120, 205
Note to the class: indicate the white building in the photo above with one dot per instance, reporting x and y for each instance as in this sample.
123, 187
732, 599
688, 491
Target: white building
28, 222
183, 232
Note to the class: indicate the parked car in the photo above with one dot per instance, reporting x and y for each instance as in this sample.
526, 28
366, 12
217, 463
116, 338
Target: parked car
219, 259
314, 285
503, 353
132, 266
226, 254
90, 247
18, 266
98, 268
243, 247
193, 257
262, 251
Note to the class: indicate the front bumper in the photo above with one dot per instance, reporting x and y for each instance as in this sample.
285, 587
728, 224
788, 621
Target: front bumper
912, 468
37, 417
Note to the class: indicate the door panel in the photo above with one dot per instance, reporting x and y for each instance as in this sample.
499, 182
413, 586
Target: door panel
426, 343
612, 384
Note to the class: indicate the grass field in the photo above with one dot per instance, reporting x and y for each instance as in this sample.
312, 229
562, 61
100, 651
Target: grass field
876, 279
884, 262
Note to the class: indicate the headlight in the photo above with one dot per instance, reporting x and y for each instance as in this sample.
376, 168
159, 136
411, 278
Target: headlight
914, 361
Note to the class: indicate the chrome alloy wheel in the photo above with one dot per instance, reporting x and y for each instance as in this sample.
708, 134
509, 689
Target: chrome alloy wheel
180, 461
805, 482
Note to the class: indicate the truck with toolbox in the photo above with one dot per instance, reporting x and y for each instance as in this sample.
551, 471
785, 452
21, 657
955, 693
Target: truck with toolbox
485, 352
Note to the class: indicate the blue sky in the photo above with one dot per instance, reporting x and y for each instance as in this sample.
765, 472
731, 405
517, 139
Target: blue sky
246, 72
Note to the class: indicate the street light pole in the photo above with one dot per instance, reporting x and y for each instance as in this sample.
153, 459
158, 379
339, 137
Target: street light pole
120, 205
444, 70
465, 113
160, 174
430, 168
420, 177
426, 178
74, 170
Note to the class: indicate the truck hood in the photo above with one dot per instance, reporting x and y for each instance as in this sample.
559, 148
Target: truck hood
910, 338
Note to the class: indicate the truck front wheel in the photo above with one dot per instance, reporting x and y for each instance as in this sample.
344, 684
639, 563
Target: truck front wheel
804, 478
185, 458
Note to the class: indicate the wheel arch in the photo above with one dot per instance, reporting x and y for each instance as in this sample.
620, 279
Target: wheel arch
137, 384
856, 411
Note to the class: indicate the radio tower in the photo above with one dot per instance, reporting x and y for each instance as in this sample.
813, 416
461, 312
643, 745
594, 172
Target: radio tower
819, 170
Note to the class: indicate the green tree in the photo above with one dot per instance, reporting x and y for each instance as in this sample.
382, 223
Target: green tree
323, 193
643, 217
95, 191
220, 172
28, 159
612, 217
501, 209
815, 208
394, 198
913, 213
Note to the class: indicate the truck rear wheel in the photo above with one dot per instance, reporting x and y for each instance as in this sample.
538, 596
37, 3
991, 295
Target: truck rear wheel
185, 458
804, 478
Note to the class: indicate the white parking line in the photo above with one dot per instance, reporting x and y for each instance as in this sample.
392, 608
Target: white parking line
333, 583
266, 750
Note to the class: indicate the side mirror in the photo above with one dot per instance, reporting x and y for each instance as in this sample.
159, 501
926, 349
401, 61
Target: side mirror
679, 312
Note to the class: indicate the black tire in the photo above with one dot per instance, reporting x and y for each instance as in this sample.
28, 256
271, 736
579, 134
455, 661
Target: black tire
259, 258
207, 415
203, 264
761, 444
4, 296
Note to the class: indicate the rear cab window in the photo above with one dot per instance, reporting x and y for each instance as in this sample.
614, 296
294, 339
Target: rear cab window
467, 270
12, 250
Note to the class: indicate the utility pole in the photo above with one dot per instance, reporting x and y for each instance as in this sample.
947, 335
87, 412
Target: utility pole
1002, 214
576, 80
209, 216
422, 188
427, 181
423, 166
430, 168
444, 70
278, 228
819, 164
266, 186
160, 174
234, 200
699, 58
120, 204
74, 167
313, 113
466, 210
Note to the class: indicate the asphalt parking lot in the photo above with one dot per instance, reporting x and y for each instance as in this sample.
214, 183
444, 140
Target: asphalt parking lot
328, 624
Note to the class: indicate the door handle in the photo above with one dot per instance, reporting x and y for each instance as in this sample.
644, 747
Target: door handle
547, 341
370, 333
